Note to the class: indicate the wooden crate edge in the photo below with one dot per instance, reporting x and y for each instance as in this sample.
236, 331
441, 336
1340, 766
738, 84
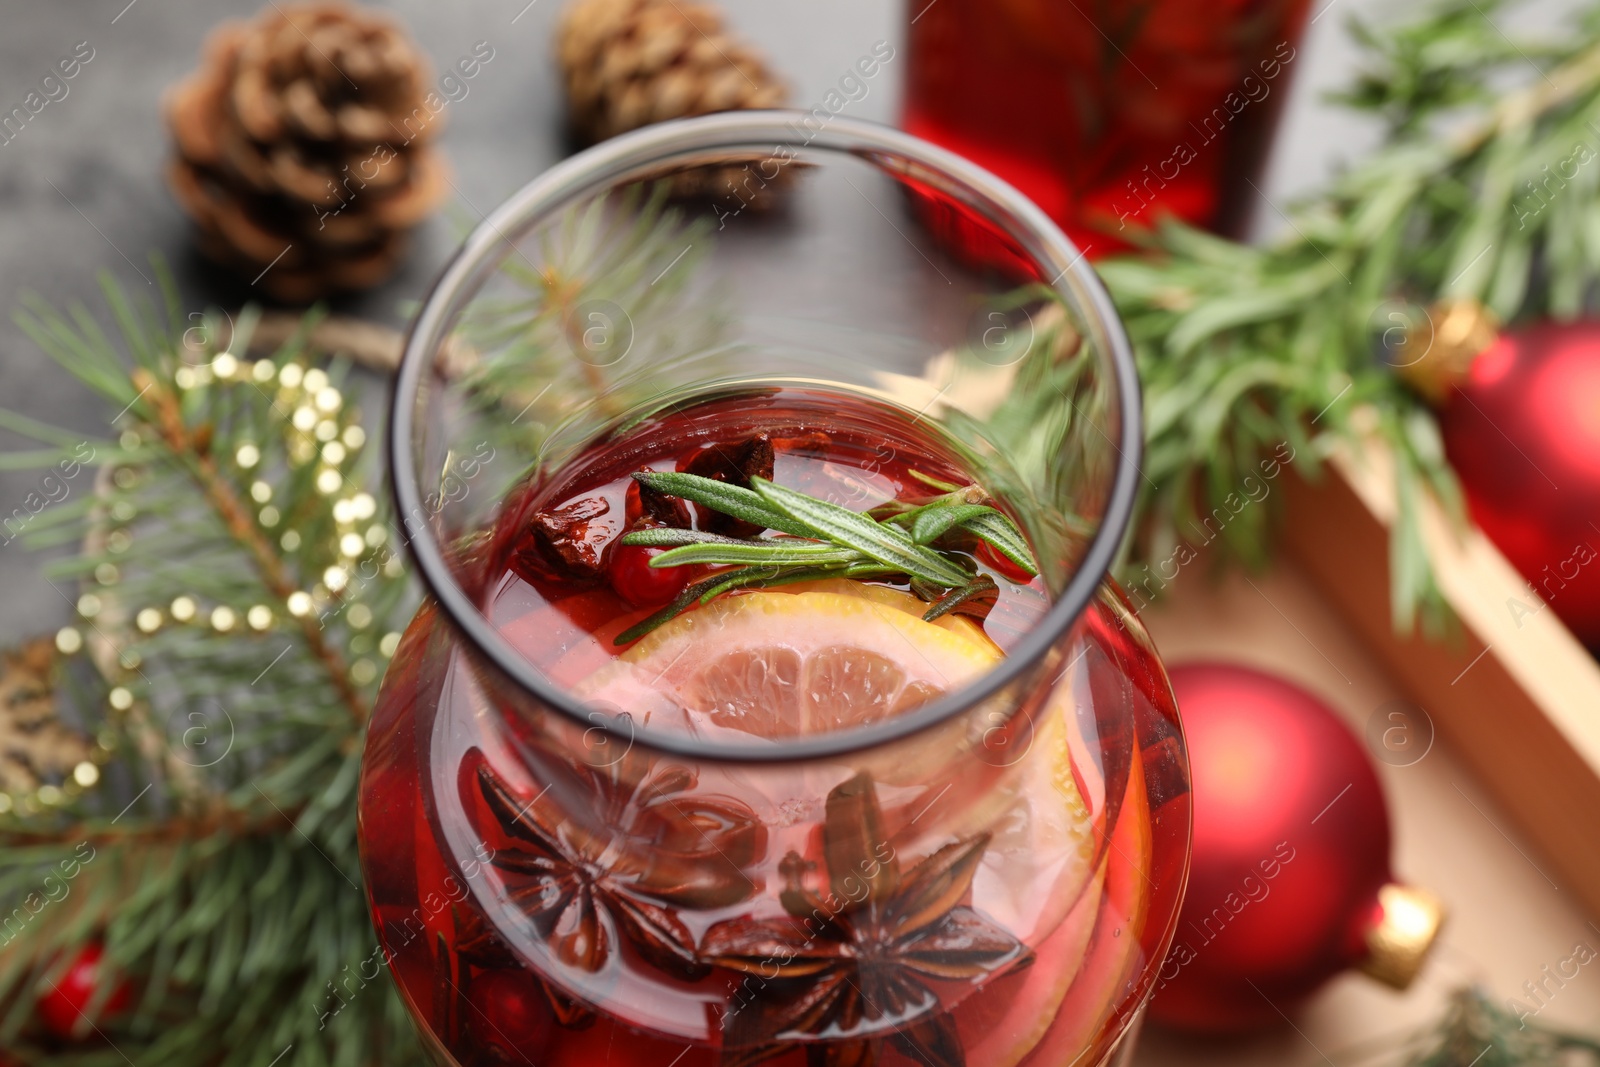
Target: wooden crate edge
1513, 694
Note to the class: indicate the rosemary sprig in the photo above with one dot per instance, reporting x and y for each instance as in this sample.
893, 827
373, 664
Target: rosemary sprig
981, 590
1252, 354
889, 545
817, 539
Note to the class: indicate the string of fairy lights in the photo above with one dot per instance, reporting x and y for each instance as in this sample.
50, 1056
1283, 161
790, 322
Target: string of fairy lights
319, 431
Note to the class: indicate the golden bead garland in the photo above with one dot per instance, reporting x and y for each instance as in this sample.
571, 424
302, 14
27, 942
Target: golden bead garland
314, 436
312, 406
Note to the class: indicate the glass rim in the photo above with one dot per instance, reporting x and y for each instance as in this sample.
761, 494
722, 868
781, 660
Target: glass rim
663, 143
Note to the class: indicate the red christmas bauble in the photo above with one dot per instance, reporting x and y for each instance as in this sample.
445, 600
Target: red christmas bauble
1523, 433
63, 1006
1289, 881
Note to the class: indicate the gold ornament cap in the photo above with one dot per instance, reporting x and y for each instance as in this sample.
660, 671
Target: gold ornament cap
1437, 357
1398, 943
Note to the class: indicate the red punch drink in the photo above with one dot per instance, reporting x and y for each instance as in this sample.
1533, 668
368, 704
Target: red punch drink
1108, 113
981, 897
770, 704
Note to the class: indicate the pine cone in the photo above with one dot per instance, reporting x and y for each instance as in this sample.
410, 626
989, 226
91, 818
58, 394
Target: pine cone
629, 63
302, 148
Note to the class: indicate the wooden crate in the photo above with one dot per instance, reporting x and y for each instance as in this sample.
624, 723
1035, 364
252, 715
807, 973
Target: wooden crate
1513, 692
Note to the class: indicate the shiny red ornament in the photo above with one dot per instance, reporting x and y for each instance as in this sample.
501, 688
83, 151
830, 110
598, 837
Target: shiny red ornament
63, 1006
1291, 857
1523, 433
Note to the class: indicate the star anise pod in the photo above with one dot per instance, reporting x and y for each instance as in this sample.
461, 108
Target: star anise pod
736, 463
614, 849
851, 965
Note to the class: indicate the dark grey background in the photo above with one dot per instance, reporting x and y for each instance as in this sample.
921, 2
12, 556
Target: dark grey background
81, 188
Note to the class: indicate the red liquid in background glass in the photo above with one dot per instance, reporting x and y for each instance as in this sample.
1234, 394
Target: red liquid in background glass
1105, 113
486, 994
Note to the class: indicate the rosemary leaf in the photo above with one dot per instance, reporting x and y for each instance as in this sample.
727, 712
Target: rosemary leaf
902, 514
678, 606
736, 580
758, 553
1004, 537
932, 482
888, 545
734, 500
975, 598
673, 537
934, 522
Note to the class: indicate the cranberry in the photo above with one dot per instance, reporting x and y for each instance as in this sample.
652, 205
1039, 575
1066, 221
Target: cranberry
62, 1007
640, 584
512, 1015
1000, 564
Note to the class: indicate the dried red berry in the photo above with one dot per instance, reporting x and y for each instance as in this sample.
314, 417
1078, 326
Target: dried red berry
736, 463
647, 507
562, 543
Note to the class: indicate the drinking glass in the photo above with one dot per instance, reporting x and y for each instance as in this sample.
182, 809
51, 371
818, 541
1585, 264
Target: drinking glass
965, 844
1108, 113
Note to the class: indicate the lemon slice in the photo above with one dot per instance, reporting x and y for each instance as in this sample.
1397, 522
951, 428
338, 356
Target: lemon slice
1041, 844
900, 600
1104, 965
781, 664
1007, 1019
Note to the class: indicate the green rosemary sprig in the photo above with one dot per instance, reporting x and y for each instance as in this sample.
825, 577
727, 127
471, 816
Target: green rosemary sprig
817, 539
1484, 190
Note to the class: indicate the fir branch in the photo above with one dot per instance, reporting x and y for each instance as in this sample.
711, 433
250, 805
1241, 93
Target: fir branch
164, 415
589, 320
230, 914
188, 827
1477, 1032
